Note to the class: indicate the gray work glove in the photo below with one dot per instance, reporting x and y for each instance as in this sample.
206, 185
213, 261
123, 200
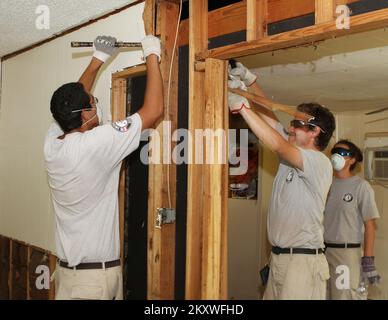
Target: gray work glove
243, 73
236, 102
151, 45
104, 47
369, 270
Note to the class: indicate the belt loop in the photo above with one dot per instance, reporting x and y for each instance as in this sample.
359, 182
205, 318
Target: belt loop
103, 265
346, 245
291, 250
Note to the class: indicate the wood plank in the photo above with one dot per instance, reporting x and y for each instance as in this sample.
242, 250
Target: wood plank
162, 177
119, 110
257, 12
4, 267
198, 42
19, 270
233, 18
149, 17
215, 210
324, 11
52, 265
37, 257
363, 22
130, 72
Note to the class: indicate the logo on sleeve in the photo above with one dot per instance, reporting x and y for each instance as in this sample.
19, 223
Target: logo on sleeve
348, 197
290, 176
122, 125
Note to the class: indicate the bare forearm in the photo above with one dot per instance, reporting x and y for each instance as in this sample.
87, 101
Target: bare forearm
89, 75
272, 139
153, 105
369, 238
266, 114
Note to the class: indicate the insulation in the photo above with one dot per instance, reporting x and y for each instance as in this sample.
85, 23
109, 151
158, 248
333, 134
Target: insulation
18, 19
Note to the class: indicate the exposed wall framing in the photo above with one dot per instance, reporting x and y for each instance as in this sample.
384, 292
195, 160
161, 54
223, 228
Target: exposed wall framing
209, 208
18, 271
161, 241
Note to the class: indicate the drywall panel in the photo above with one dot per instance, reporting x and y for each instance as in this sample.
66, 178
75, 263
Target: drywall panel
28, 83
243, 249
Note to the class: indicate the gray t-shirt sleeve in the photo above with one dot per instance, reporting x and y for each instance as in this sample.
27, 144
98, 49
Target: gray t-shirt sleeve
366, 202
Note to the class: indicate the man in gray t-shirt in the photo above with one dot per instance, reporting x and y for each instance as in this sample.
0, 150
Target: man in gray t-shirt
350, 209
298, 268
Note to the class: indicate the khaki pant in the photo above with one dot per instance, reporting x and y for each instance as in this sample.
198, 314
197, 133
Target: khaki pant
96, 284
297, 277
351, 258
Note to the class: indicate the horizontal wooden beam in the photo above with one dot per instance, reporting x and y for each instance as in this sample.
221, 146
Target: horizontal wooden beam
360, 23
130, 72
233, 18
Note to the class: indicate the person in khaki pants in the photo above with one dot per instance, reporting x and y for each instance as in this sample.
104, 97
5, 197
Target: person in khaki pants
298, 267
83, 160
350, 209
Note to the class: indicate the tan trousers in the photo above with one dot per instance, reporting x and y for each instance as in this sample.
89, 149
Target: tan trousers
96, 284
297, 277
351, 258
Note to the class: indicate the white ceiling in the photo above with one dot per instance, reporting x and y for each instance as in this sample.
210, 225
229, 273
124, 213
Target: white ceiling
17, 19
345, 74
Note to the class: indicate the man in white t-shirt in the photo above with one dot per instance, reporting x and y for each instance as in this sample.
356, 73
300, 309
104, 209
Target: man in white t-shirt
298, 267
349, 222
83, 161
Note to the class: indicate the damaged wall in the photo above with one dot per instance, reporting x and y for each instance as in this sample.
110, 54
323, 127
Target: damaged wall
28, 82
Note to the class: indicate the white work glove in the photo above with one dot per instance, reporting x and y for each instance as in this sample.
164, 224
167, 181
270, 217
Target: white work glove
245, 75
151, 45
104, 47
235, 102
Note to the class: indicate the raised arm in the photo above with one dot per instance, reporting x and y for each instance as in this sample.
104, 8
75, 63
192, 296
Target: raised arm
272, 139
104, 48
250, 81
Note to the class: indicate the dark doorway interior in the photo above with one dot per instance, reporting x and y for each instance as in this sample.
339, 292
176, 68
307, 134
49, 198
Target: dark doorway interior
136, 198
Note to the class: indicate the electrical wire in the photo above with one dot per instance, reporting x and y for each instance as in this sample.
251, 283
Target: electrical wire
168, 99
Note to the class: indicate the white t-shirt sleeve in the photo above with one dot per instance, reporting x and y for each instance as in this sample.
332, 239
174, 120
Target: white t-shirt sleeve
111, 143
366, 202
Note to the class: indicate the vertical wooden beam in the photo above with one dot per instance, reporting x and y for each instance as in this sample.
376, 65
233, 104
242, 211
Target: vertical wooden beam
10, 281
149, 16
215, 211
52, 266
119, 108
162, 177
257, 12
29, 250
324, 11
198, 42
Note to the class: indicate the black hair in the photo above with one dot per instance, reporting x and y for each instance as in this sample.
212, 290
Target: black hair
356, 152
71, 96
324, 119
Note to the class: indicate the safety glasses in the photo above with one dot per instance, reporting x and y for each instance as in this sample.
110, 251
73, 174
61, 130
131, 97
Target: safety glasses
94, 103
304, 124
342, 152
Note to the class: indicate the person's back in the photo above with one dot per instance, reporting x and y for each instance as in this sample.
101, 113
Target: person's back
83, 171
